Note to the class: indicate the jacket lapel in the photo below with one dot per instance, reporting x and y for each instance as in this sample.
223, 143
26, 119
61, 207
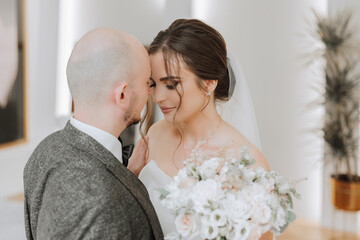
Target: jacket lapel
83, 141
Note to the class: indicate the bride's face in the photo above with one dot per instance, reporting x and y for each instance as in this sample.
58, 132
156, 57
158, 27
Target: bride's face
177, 88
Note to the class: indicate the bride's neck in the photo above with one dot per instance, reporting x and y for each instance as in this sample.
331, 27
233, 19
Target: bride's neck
201, 126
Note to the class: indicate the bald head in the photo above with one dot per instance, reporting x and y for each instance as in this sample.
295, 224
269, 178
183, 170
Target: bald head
100, 59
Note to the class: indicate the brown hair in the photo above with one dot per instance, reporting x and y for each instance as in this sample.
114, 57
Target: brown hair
200, 47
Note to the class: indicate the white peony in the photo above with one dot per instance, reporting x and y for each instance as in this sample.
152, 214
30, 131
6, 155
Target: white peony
185, 224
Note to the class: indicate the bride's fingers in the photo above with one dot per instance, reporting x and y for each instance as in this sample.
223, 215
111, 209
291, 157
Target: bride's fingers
141, 145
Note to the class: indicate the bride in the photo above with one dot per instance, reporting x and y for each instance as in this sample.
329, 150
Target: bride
191, 72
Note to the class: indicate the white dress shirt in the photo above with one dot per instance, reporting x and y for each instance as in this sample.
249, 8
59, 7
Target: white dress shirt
107, 140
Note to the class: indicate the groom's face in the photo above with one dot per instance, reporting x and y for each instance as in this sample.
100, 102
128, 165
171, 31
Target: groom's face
139, 91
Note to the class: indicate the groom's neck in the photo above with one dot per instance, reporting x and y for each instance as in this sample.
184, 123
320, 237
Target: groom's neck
101, 120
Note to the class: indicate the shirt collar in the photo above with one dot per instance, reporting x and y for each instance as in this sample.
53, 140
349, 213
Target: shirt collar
106, 139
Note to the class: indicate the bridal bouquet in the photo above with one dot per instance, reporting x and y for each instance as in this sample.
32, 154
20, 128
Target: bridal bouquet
220, 198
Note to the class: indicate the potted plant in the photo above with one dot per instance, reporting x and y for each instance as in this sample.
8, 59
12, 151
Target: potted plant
340, 55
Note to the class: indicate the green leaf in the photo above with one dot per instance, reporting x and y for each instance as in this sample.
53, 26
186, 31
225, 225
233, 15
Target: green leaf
290, 200
163, 193
295, 194
291, 216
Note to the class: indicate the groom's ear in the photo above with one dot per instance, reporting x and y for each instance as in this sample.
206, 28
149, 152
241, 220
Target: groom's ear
210, 85
121, 94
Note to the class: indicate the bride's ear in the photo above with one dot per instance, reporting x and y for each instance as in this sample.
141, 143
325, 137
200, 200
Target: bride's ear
210, 85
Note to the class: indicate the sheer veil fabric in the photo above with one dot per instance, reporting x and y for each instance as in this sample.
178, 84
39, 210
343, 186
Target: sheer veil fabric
239, 111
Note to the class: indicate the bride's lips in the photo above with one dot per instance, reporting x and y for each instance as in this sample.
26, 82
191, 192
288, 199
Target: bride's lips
167, 109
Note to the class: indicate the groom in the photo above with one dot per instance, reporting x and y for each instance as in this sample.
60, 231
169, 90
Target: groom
76, 186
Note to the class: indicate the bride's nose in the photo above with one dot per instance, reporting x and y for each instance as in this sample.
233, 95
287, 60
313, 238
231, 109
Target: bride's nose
158, 94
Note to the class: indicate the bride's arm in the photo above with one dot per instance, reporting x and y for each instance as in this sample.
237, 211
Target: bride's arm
260, 160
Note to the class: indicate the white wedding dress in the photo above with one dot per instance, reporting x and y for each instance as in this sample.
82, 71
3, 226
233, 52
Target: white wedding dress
238, 111
153, 178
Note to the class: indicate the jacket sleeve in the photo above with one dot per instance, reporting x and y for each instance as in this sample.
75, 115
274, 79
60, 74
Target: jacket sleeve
82, 203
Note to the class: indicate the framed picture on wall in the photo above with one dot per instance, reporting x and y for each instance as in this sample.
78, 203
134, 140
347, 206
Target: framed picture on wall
12, 73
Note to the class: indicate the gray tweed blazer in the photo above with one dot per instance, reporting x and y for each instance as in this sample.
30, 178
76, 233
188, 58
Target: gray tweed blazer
76, 189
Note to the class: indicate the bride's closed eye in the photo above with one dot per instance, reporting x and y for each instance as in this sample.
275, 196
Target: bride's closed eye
170, 82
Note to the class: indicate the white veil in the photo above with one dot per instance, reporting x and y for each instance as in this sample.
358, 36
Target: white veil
239, 111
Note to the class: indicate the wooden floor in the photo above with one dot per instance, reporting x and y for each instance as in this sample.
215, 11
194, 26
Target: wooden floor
299, 230
304, 230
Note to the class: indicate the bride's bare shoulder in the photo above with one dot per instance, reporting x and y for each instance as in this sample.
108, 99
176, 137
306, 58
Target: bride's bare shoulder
158, 132
237, 140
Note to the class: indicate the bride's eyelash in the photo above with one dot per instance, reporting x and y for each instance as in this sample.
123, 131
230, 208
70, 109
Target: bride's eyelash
172, 85
169, 83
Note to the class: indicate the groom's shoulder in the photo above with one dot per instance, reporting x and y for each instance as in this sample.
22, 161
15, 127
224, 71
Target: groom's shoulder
52, 150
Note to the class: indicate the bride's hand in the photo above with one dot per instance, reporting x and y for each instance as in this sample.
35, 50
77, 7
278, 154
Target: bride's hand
137, 160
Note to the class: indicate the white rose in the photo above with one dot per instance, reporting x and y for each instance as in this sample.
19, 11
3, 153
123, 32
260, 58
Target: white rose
236, 208
261, 214
217, 218
185, 224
